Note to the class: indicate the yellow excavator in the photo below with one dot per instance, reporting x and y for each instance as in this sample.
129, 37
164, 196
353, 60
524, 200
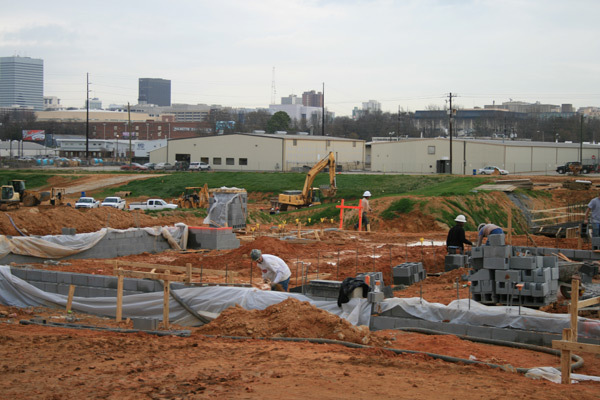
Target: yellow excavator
9, 199
309, 195
193, 197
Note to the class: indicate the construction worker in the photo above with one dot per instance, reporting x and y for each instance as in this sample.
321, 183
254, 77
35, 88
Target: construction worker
456, 240
594, 207
364, 202
486, 230
274, 269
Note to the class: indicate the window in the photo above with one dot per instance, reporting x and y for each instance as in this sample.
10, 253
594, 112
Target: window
230, 161
217, 160
243, 161
353, 144
430, 149
204, 159
295, 142
160, 128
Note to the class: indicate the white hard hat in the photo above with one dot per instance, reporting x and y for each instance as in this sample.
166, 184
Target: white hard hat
460, 218
367, 194
480, 227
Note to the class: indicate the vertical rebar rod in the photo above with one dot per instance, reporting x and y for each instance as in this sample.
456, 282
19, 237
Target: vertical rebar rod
457, 290
251, 272
406, 247
318, 262
337, 274
373, 259
356, 265
421, 293
391, 273
226, 274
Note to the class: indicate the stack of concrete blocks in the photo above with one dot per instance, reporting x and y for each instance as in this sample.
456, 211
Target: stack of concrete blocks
408, 273
212, 238
228, 207
376, 285
498, 271
455, 261
595, 243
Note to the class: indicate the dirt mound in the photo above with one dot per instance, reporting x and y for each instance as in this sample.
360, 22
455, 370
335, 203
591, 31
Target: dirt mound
268, 245
290, 318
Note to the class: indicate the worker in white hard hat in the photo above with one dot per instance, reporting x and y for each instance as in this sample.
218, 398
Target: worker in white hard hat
274, 269
366, 208
456, 240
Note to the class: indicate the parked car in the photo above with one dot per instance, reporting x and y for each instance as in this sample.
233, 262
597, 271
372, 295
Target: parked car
181, 165
163, 166
87, 202
575, 167
115, 202
133, 167
152, 204
199, 166
150, 165
490, 170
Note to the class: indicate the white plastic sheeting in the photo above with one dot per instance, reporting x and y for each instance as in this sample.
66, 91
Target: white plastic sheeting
458, 312
552, 374
59, 246
214, 299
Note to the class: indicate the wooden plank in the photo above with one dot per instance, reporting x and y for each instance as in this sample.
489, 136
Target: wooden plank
588, 302
171, 267
565, 359
574, 309
166, 296
188, 267
150, 275
575, 346
70, 298
119, 298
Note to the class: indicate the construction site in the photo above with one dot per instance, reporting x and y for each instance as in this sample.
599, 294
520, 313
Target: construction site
116, 304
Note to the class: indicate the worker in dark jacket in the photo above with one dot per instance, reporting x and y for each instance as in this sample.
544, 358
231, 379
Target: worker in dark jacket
456, 240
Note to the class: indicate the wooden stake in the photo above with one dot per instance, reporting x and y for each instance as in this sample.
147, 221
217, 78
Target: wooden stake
574, 309
188, 272
70, 298
120, 297
299, 230
565, 358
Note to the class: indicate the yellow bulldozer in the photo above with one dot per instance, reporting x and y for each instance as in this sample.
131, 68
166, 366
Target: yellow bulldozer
309, 195
9, 199
193, 197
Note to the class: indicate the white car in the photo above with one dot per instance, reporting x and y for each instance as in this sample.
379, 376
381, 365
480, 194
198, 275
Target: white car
87, 202
489, 170
114, 202
199, 166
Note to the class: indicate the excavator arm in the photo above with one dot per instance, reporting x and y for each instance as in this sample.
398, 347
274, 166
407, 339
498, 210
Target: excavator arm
318, 167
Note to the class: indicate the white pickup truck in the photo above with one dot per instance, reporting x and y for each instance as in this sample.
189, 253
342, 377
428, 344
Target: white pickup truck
152, 204
115, 202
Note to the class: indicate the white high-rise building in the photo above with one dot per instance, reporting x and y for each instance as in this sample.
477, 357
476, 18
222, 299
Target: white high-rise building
22, 82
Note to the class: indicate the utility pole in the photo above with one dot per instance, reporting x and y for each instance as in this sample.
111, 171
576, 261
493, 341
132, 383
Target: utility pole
87, 118
323, 112
129, 129
450, 116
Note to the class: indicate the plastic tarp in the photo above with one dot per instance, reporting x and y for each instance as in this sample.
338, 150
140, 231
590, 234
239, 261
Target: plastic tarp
552, 374
59, 246
218, 211
458, 312
213, 299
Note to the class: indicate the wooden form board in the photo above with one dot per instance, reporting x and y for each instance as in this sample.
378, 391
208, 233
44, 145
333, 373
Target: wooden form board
569, 337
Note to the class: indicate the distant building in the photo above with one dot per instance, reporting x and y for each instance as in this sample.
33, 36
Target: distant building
155, 91
525, 108
95, 104
22, 82
367, 107
312, 99
291, 99
51, 103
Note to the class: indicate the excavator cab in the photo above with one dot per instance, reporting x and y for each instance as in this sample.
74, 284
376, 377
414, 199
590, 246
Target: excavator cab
9, 198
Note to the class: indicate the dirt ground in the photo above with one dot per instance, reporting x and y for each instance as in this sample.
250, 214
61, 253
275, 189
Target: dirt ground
60, 363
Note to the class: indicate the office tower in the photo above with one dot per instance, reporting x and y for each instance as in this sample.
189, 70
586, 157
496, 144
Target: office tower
312, 99
22, 82
155, 91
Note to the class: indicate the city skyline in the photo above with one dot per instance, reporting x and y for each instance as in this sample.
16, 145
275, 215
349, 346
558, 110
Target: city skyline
407, 54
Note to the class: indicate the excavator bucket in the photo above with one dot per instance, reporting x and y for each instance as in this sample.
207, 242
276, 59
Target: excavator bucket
328, 191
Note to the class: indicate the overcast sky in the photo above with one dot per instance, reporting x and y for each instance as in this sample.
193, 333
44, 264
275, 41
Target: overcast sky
407, 54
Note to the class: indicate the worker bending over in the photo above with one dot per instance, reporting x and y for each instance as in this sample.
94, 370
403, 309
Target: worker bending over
274, 269
594, 208
456, 240
485, 230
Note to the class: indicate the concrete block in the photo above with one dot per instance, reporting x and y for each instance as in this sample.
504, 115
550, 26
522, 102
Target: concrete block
96, 292
502, 287
82, 291
33, 275
550, 261
511, 275
63, 277
553, 286
146, 286
477, 263
401, 271
496, 263
49, 276
50, 287
19, 272
524, 262
496, 240
375, 297
482, 275
542, 275
582, 254
145, 324
527, 274
477, 252
479, 331
129, 284
570, 253
79, 279
497, 251
454, 259
381, 323
476, 286
540, 289
487, 286
97, 281
62, 288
